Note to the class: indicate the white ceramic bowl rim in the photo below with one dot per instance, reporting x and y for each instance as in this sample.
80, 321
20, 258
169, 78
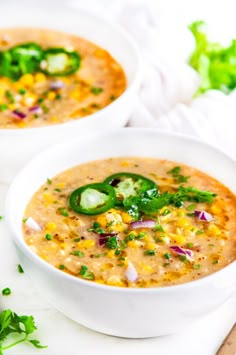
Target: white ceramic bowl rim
133, 85
48, 267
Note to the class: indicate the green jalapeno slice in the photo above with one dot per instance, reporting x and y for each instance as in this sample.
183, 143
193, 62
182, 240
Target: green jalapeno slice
128, 184
92, 199
60, 62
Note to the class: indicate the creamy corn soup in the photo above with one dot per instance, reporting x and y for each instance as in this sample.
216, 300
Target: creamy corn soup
49, 77
133, 222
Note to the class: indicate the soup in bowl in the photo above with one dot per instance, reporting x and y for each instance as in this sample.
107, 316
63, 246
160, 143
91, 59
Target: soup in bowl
61, 75
145, 230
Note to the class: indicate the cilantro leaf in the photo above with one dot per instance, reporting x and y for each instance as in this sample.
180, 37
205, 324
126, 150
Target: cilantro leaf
18, 327
214, 63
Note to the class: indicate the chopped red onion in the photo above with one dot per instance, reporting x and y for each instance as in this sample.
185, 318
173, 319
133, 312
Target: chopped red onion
18, 114
103, 238
31, 223
143, 224
56, 85
203, 216
181, 251
131, 272
36, 109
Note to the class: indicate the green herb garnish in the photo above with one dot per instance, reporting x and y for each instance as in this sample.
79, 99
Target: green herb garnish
3, 107
214, 62
48, 236
96, 90
17, 329
196, 266
175, 172
149, 252
77, 253
6, 291
63, 211
167, 256
112, 243
20, 269
86, 274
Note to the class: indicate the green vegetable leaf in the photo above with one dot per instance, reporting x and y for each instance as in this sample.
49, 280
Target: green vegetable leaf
37, 344
214, 63
18, 328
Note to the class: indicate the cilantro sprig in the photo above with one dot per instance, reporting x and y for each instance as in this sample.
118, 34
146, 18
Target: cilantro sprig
18, 329
146, 204
214, 63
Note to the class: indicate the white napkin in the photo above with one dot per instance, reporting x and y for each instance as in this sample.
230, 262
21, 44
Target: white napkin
169, 83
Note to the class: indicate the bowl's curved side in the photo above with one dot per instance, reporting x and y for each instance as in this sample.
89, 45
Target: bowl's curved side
111, 310
19, 145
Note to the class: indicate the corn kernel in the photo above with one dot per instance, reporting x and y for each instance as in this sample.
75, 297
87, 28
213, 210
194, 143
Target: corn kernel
134, 244
11, 106
213, 230
146, 267
126, 218
54, 119
75, 94
111, 253
21, 124
117, 227
147, 238
51, 95
100, 281
88, 243
150, 246
17, 86
60, 185
115, 281
48, 197
51, 226
125, 163
182, 222
27, 80
215, 209
102, 220
40, 77
100, 53
179, 239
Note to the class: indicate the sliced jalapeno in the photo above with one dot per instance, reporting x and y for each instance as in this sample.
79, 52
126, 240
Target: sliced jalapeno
60, 62
92, 199
128, 184
20, 60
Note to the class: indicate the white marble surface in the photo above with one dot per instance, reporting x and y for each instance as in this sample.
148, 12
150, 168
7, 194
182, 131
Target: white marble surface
64, 336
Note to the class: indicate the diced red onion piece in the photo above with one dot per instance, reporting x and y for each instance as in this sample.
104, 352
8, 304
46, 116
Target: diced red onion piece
181, 251
203, 216
56, 85
143, 224
131, 273
103, 238
36, 109
32, 224
18, 114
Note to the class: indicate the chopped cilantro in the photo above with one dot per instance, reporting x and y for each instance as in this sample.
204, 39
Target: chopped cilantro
96, 90
149, 252
77, 253
86, 274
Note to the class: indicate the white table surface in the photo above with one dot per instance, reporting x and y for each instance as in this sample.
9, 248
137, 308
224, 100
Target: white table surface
64, 336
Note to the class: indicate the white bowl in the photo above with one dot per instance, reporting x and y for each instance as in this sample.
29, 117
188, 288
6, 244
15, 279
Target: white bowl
125, 312
19, 145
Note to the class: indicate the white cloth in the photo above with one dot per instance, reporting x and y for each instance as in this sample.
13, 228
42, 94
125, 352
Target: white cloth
169, 83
